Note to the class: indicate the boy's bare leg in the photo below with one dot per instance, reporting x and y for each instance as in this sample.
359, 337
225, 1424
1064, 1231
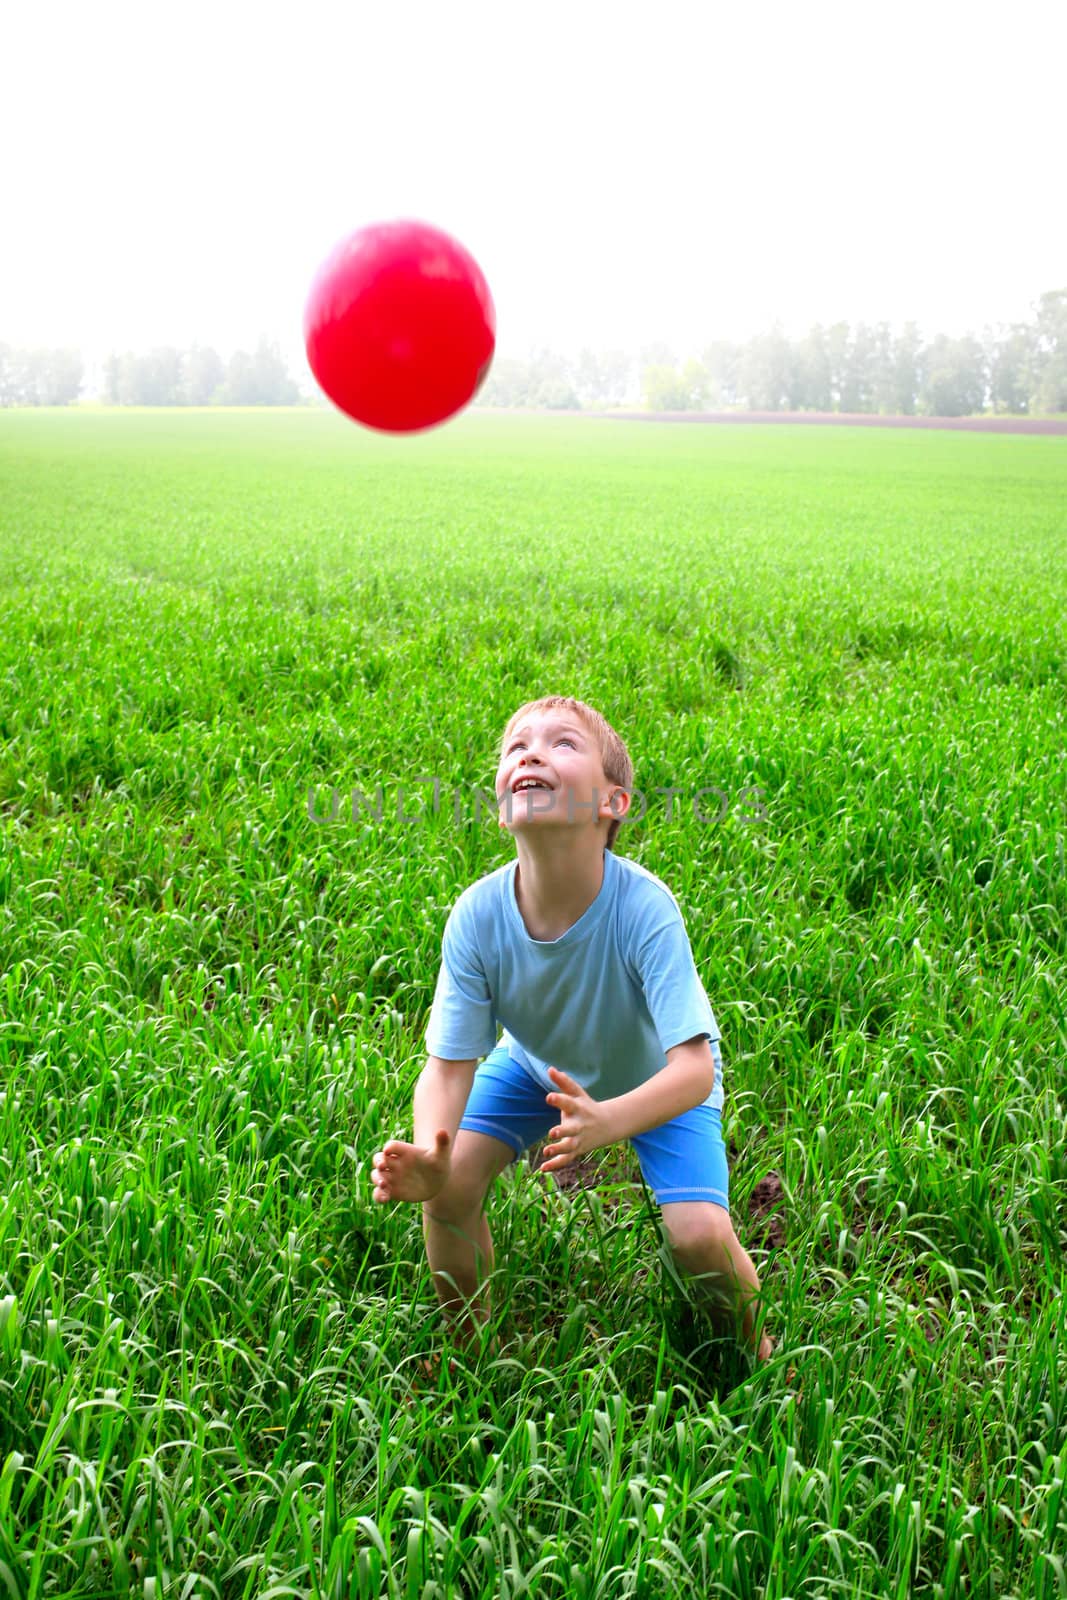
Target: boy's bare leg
464, 1250
727, 1285
737, 1263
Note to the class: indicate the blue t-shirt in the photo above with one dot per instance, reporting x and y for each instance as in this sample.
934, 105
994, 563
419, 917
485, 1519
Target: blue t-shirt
604, 1002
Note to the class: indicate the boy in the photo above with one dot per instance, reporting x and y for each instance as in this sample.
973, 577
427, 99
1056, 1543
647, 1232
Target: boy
584, 957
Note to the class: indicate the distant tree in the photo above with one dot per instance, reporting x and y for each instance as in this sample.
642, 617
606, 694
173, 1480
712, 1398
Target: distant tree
18, 376
1049, 375
557, 394
589, 378
7, 375
39, 376
143, 380
276, 387
25, 368
1009, 359
239, 388
883, 396
59, 379
547, 379
765, 371
907, 371
697, 384
837, 342
259, 379
34, 363
508, 384
129, 380
162, 376
202, 376
15, 377
548, 367
954, 384
810, 387
615, 375
600, 377
670, 389
721, 360
112, 379
665, 388
857, 379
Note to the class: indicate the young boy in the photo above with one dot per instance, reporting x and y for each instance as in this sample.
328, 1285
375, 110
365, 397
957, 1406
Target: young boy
608, 1034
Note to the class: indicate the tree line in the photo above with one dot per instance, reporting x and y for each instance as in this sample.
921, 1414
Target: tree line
1019, 368
39, 377
165, 376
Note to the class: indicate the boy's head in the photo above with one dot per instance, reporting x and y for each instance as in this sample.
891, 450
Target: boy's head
595, 760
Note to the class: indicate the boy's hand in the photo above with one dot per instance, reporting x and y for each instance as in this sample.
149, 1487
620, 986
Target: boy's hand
404, 1172
582, 1126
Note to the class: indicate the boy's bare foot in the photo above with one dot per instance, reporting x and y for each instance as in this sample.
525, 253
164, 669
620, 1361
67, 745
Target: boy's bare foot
796, 1394
430, 1368
404, 1172
427, 1375
766, 1349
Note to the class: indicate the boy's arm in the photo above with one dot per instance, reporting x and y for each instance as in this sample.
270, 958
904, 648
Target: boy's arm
417, 1171
685, 1082
441, 1096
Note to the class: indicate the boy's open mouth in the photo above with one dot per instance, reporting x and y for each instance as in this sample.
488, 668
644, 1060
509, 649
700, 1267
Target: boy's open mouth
529, 783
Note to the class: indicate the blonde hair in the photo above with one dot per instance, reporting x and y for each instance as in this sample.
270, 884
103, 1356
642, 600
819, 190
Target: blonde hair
614, 756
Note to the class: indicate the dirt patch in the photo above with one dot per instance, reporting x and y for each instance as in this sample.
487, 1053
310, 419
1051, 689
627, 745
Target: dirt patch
619, 1165
765, 1202
842, 419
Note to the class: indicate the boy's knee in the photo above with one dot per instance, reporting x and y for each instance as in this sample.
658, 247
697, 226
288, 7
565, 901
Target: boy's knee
477, 1160
697, 1229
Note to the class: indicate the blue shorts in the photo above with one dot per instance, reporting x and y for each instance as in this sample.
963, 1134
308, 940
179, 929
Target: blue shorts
682, 1160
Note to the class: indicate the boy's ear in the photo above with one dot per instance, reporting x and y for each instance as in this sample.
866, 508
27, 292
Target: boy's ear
618, 803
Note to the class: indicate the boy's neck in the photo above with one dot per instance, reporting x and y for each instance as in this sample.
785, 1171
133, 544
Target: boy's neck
557, 884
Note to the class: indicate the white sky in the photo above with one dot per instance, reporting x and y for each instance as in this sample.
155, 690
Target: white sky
624, 172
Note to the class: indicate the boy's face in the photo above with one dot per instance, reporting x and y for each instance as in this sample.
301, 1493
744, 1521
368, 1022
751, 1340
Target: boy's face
555, 748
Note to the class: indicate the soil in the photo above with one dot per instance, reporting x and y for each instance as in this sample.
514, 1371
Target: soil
843, 419
618, 1164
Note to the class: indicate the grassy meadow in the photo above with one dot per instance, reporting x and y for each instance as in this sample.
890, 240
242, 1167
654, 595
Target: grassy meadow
213, 1000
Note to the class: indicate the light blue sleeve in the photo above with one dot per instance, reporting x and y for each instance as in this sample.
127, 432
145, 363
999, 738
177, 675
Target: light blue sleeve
669, 980
462, 1026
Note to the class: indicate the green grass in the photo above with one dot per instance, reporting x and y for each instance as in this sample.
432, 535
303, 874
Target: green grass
212, 1007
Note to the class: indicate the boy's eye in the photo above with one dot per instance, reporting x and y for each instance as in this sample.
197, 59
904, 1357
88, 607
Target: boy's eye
563, 739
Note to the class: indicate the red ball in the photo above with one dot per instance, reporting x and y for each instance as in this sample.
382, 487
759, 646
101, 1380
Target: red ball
400, 326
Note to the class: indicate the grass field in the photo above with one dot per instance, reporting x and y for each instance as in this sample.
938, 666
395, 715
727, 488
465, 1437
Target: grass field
212, 1007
